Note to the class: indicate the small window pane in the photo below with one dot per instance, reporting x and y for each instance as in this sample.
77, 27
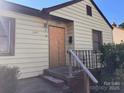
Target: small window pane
4, 35
89, 10
4, 45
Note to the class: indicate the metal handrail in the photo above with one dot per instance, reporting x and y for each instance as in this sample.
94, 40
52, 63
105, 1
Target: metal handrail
83, 66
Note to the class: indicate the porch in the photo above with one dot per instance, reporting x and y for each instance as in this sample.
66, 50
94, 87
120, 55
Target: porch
59, 79
77, 72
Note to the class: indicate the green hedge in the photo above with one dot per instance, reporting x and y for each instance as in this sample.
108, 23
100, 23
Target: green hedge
113, 60
113, 56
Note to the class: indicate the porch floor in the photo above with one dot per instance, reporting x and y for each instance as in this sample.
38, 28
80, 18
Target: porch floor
36, 85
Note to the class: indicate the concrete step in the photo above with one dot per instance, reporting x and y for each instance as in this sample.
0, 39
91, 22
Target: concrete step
60, 84
57, 82
54, 74
73, 83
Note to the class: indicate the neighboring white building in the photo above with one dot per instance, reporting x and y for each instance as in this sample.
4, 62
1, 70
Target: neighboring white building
35, 40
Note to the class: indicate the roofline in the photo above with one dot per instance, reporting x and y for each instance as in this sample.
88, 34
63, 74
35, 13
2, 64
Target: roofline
47, 10
50, 9
19, 8
119, 28
48, 16
5, 5
106, 20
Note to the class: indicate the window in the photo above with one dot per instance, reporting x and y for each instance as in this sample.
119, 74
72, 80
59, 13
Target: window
89, 10
97, 40
122, 41
7, 36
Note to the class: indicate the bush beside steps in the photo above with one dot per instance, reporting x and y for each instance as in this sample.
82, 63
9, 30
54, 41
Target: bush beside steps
8, 79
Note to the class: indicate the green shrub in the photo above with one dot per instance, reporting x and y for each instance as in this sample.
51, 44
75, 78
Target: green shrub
113, 71
8, 79
113, 56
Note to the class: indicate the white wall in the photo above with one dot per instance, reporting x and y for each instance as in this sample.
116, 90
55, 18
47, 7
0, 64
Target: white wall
31, 45
83, 24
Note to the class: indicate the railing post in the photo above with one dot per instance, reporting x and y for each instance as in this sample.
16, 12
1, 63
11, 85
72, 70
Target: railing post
86, 82
70, 65
85, 69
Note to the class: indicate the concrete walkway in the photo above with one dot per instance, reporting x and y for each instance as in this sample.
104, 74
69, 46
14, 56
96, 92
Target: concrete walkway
36, 85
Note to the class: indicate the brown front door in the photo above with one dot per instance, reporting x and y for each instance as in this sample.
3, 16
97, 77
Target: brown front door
57, 46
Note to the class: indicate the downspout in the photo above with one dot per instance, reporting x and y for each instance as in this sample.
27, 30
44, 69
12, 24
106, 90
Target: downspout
47, 30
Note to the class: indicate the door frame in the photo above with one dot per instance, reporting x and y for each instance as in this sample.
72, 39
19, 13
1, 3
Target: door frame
49, 40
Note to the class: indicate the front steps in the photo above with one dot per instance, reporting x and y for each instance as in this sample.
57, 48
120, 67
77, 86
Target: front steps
60, 77
62, 73
57, 83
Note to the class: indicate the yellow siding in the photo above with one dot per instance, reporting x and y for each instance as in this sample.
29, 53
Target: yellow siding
118, 35
31, 45
83, 24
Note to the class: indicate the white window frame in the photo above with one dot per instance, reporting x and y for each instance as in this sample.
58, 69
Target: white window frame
11, 36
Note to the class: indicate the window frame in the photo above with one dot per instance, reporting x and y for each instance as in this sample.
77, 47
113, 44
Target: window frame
89, 10
11, 36
100, 36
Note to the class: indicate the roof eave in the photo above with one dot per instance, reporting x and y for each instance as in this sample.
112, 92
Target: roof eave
106, 20
5, 5
50, 9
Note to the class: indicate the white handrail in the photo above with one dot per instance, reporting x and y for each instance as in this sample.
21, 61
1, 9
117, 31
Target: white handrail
83, 67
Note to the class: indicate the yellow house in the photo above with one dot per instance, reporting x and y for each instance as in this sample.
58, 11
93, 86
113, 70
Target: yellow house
118, 35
